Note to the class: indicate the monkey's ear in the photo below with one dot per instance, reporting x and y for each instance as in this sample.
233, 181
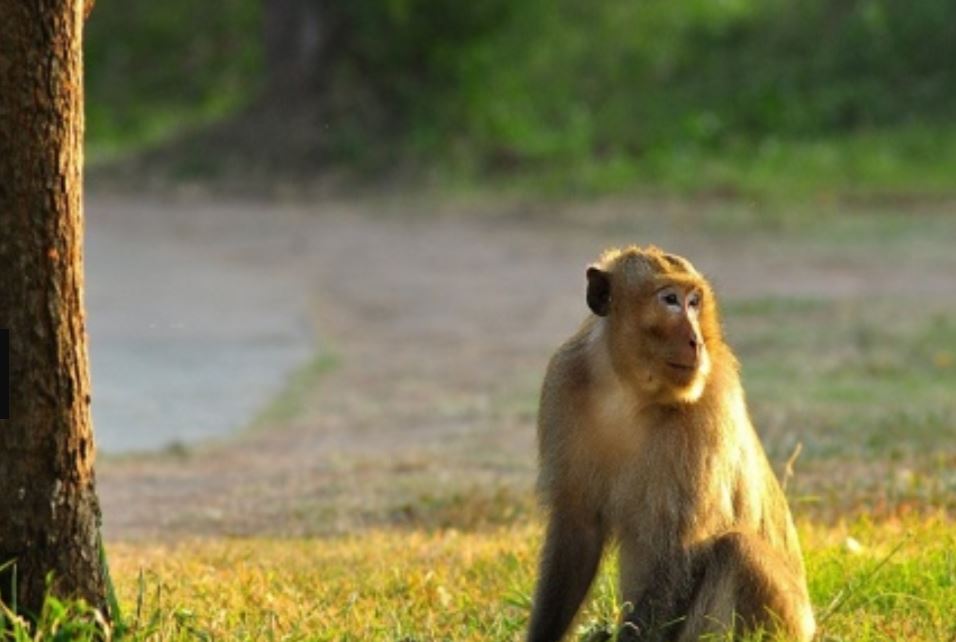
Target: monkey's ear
599, 291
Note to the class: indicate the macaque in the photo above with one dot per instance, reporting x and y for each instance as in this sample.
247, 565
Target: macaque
645, 439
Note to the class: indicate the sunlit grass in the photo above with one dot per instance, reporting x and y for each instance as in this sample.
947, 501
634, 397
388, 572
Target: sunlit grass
888, 581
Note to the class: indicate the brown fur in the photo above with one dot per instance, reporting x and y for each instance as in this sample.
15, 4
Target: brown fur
663, 459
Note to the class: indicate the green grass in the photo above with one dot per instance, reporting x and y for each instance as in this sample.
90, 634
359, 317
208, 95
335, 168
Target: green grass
894, 163
876, 381
868, 581
292, 399
59, 620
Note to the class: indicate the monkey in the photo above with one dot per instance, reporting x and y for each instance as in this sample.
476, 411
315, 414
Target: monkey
644, 439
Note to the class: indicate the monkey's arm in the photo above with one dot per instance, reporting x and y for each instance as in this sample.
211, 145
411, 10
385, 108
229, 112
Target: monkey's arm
569, 560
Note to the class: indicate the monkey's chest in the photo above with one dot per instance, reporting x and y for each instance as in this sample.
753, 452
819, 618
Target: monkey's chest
637, 494
667, 499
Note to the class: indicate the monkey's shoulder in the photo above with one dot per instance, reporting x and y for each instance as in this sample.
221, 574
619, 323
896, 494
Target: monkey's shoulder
573, 356
570, 373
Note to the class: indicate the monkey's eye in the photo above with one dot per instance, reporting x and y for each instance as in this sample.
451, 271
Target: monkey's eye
671, 299
694, 301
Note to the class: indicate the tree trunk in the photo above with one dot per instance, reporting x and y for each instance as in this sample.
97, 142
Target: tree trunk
298, 36
50, 514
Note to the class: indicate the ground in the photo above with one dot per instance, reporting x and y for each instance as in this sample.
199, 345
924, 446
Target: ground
386, 492
434, 320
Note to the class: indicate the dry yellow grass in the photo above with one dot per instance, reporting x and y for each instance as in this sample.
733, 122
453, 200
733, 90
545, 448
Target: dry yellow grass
450, 585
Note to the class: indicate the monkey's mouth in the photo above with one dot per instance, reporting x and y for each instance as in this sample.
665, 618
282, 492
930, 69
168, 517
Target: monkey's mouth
682, 367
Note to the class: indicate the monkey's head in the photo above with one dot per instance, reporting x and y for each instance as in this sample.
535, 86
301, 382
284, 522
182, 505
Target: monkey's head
659, 318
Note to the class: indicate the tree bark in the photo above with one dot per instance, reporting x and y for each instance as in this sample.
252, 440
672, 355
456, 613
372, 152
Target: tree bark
300, 37
49, 514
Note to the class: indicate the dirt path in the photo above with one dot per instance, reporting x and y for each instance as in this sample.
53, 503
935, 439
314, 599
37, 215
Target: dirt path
441, 326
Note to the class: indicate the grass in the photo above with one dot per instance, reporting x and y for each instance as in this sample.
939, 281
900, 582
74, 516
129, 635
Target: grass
881, 166
291, 400
869, 581
882, 377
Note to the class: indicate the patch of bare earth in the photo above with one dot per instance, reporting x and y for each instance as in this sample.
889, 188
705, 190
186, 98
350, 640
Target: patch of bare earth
441, 326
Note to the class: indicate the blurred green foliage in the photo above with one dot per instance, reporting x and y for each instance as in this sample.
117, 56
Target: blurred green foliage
397, 68
153, 68
627, 76
603, 92
663, 83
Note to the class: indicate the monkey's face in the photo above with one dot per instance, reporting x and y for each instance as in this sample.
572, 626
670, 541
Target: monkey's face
655, 307
671, 337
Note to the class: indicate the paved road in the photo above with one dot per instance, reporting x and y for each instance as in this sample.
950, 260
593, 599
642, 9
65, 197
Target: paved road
196, 316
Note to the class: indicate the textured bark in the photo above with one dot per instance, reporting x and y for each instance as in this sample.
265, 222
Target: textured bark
50, 515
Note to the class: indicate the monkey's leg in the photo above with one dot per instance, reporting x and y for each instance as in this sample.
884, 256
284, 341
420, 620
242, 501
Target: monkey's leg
569, 560
745, 586
658, 592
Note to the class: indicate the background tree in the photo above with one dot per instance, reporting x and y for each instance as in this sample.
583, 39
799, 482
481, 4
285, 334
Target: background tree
48, 502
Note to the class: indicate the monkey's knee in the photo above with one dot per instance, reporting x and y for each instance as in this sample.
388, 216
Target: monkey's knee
766, 593
733, 547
